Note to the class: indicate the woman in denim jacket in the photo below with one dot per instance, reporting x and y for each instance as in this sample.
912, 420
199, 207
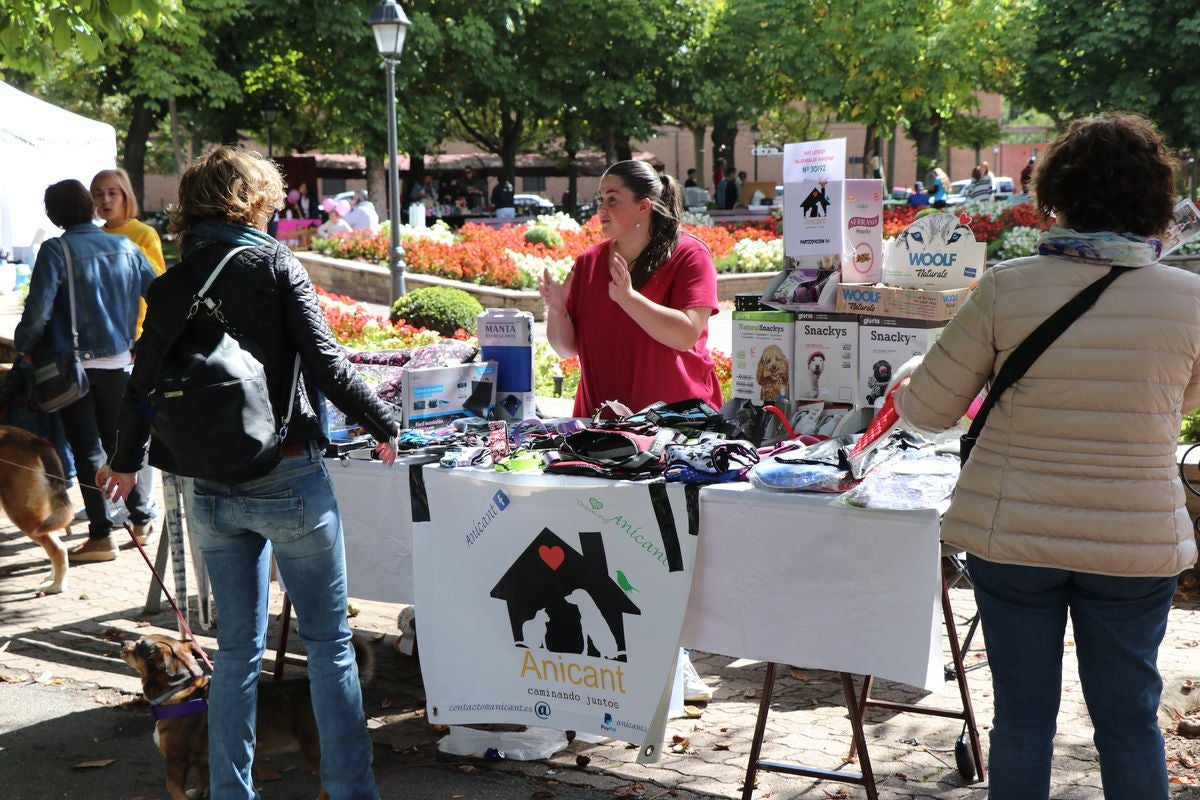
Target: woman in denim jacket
111, 275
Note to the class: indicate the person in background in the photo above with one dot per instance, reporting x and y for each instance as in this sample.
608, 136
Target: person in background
425, 189
110, 275
918, 198
225, 199
985, 170
691, 179
309, 208
980, 187
718, 176
502, 200
727, 194
362, 215
1046, 532
941, 187
635, 307
291, 209
475, 186
1027, 175
877, 172
337, 221
116, 204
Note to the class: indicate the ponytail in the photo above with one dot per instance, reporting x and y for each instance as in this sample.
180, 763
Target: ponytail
666, 211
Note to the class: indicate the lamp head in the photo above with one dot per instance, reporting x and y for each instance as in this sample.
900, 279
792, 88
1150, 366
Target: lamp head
389, 24
268, 110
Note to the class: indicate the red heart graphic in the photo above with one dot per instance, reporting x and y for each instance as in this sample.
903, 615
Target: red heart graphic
553, 556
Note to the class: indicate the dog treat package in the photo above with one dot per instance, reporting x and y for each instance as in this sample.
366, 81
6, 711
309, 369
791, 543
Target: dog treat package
826, 351
763, 343
862, 261
884, 343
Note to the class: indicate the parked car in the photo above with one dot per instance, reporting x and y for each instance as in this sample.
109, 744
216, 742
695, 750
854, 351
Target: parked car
958, 193
1005, 188
348, 196
532, 204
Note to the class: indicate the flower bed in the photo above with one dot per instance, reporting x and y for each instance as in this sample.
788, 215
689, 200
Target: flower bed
509, 257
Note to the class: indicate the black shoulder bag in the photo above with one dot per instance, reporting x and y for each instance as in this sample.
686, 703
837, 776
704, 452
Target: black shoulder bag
1029, 350
213, 417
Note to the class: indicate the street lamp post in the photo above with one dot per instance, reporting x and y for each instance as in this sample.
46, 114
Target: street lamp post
389, 24
754, 134
269, 114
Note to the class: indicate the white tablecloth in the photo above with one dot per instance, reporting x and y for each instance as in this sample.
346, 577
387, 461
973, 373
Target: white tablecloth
779, 576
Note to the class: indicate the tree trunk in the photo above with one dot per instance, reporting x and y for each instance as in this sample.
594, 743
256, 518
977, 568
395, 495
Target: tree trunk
141, 122
869, 150
698, 154
927, 137
724, 134
377, 172
624, 151
572, 183
610, 147
176, 143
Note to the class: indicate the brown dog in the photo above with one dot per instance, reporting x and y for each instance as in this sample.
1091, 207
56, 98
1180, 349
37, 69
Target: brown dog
33, 493
172, 678
772, 374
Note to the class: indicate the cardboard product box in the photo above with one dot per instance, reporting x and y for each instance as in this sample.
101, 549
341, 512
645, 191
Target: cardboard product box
506, 337
826, 357
884, 344
893, 301
762, 355
863, 261
436, 396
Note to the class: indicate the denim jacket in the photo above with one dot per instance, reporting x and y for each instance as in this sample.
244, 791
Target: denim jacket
111, 274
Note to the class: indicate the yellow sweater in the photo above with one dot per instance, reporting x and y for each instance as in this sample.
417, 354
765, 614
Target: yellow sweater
146, 238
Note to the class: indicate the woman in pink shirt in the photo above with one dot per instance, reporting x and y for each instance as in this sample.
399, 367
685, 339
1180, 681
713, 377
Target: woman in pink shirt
635, 307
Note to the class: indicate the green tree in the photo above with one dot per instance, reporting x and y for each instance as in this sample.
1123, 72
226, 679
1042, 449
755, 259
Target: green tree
1085, 56
33, 32
968, 130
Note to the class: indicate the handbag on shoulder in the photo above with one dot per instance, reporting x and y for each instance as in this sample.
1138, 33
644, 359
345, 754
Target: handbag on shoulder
59, 379
1028, 351
213, 417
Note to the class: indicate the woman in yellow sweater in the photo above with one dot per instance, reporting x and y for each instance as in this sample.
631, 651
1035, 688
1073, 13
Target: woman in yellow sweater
112, 194
115, 203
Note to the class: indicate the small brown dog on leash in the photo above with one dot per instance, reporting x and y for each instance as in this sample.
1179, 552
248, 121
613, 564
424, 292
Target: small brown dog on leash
33, 493
178, 690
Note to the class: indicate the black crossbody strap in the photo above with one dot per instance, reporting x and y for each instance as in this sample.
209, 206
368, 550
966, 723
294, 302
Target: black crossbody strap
1037, 343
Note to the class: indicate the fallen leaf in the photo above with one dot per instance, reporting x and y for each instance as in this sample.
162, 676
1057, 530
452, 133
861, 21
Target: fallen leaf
94, 764
387, 703
721, 745
1189, 643
143, 623
352, 610
543, 794
750, 693
375, 637
7, 678
632, 790
265, 774
692, 712
468, 769
797, 674
1188, 685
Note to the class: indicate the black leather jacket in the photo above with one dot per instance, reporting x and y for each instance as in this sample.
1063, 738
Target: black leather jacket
266, 295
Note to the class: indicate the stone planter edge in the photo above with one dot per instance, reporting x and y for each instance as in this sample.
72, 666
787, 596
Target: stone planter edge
373, 284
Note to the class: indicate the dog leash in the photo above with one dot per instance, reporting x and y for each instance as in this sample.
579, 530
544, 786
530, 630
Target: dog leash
187, 629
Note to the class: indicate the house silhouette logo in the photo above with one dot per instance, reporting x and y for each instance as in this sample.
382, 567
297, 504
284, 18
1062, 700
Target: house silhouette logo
563, 600
816, 204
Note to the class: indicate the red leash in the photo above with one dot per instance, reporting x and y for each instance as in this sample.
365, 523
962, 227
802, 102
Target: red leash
187, 629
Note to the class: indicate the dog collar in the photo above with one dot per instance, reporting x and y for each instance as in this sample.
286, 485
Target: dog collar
194, 706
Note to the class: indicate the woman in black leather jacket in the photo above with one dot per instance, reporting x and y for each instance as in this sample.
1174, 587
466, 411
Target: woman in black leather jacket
225, 200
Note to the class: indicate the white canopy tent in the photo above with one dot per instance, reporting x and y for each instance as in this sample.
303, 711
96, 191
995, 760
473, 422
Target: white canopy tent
41, 144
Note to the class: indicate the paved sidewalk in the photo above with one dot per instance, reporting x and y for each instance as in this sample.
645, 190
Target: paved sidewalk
69, 642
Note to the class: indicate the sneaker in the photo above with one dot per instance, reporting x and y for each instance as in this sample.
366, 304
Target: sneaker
80, 514
144, 533
94, 550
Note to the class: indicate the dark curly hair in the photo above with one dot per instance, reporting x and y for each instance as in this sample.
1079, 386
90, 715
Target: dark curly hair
1109, 172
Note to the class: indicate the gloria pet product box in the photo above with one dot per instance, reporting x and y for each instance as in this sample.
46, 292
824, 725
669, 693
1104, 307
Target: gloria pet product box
884, 344
863, 258
436, 396
506, 337
893, 301
826, 357
762, 355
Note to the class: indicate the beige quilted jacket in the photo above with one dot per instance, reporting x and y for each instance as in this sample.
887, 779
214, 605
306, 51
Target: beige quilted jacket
1076, 466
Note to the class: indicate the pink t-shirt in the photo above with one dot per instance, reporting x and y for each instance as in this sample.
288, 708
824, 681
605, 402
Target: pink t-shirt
619, 360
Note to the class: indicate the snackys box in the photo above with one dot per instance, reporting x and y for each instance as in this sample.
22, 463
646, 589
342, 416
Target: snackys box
826, 357
884, 344
763, 360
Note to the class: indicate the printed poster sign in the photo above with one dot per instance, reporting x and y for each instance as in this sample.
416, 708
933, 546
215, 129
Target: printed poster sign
551, 601
813, 206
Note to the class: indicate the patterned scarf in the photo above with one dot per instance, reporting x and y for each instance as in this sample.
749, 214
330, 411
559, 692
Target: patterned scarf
1099, 247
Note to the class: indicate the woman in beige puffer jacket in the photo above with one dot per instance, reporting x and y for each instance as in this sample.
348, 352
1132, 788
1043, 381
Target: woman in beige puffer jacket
1071, 499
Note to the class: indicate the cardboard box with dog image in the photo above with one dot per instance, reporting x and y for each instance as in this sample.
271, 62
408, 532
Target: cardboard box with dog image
826, 357
884, 343
762, 355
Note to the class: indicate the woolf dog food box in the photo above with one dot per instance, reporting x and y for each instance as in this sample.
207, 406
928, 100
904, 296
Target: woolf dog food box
893, 301
937, 251
762, 355
436, 396
884, 343
506, 337
826, 357
863, 259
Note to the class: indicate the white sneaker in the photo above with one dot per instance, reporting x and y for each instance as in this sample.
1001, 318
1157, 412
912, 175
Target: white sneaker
694, 689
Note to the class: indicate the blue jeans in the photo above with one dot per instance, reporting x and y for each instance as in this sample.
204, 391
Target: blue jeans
292, 512
1119, 624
